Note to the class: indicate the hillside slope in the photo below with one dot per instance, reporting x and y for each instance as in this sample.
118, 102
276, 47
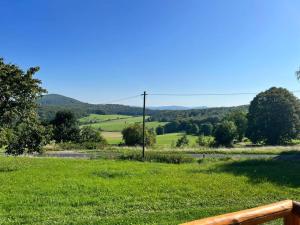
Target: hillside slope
50, 104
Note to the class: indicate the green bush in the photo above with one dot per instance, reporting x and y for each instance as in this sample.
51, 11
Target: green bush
225, 133
174, 158
182, 142
28, 138
91, 138
206, 141
133, 135
5, 136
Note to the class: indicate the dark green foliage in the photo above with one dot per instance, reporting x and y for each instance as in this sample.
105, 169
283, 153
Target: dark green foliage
182, 142
225, 133
174, 158
206, 129
65, 127
171, 127
274, 117
241, 122
160, 130
212, 115
91, 138
18, 94
192, 129
28, 138
187, 126
20, 130
133, 135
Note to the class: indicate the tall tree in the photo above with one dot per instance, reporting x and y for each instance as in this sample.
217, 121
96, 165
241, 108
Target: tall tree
20, 129
65, 127
274, 117
240, 120
18, 94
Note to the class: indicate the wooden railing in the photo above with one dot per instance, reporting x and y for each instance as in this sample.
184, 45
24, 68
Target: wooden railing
288, 210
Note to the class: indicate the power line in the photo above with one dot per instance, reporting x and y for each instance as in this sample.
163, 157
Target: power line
185, 94
209, 94
120, 99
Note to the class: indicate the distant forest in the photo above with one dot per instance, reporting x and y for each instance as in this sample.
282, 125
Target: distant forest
50, 104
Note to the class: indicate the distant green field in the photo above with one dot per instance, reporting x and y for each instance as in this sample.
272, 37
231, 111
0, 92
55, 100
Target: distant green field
169, 140
95, 118
113, 138
115, 123
166, 140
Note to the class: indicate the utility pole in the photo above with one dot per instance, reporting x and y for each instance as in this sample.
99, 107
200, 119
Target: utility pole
144, 123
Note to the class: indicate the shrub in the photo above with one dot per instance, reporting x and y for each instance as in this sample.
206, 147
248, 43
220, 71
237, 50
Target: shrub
91, 138
206, 141
182, 142
94, 145
28, 138
225, 133
174, 158
133, 135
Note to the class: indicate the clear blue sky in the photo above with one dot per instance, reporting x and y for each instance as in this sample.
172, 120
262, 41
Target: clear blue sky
98, 50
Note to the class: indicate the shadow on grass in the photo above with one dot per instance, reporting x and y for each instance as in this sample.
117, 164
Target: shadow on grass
282, 170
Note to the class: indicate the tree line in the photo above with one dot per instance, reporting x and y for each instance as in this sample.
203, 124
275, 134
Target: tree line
273, 118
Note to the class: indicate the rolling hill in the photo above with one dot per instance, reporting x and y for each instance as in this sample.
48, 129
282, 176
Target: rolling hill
50, 104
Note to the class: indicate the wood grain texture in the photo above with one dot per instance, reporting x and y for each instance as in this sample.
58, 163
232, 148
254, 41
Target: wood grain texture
253, 216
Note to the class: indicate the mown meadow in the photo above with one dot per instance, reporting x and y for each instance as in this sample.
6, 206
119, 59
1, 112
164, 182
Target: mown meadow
115, 123
73, 191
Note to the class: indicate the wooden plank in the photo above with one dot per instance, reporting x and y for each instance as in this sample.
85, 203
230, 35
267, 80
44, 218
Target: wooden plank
294, 217
251, 216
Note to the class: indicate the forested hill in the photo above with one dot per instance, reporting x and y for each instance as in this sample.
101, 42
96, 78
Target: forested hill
209, 114
50, 104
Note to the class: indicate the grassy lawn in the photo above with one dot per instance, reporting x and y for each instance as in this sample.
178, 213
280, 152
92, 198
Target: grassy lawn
69, 191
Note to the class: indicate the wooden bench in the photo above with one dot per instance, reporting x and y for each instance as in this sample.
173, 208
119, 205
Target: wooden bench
288, 210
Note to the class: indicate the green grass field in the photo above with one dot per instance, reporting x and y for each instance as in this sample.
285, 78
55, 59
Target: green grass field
166, 140
92, 118
69, 191
114, 123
